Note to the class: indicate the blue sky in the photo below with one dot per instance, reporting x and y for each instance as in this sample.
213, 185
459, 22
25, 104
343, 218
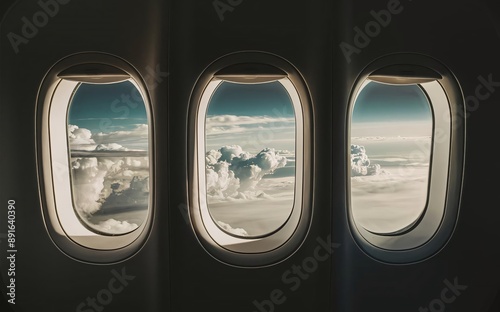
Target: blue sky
389, 110
267, 99
380, 102
253, 116
110, 107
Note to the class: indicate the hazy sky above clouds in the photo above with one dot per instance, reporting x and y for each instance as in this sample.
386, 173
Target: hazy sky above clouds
94, 106
389, 110
265, 99
253, 116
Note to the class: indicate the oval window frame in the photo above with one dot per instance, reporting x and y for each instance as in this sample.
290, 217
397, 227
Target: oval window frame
282, 243
57, 88
430, 233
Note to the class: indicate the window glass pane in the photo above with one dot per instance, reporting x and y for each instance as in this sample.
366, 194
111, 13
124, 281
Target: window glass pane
108, 142
391, 139
250, 157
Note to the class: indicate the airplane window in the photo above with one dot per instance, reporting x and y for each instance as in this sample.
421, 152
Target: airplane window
391, 147
406, 139
250, 178
94, 129
108, 145
250, 157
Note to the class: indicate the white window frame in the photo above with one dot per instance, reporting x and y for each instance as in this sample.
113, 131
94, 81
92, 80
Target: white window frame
284, 241
62, 222
431, 231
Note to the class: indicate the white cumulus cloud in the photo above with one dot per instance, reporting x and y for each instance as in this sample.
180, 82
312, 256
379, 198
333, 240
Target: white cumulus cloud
230, 171
221, 181
360, 163
88, 182
80, 138
134, 193
109, 185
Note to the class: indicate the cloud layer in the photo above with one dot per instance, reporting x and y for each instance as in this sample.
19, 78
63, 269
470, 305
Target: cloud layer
250, 132
109, 179
108, 185
230, 123
81, 139
388, 200
387, 203
136, 138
